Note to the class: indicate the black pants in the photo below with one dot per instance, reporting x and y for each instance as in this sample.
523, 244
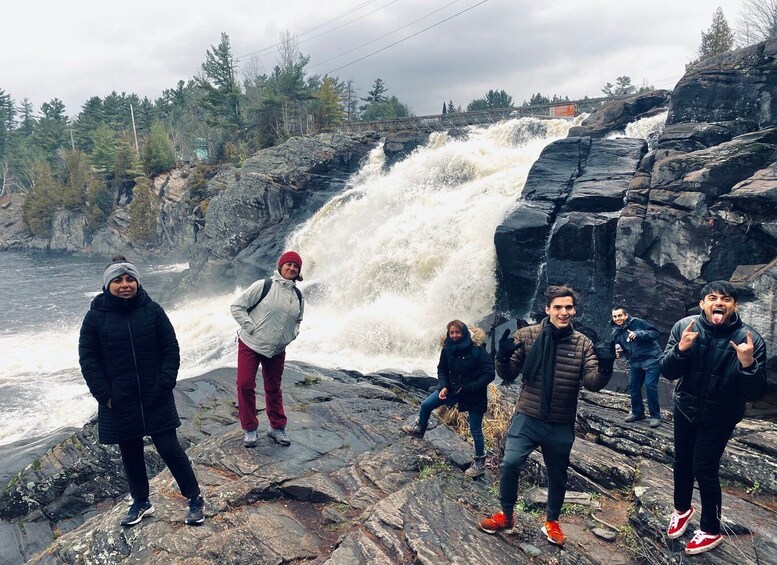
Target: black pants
172, 454
524, 436
697, 453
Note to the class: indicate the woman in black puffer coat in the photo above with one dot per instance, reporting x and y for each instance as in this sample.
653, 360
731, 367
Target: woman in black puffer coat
129, 358
464, 371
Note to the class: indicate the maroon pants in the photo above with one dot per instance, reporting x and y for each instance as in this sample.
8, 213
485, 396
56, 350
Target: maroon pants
248, 362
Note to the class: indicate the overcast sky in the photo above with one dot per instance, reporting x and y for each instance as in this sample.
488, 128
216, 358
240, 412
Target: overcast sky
76, 50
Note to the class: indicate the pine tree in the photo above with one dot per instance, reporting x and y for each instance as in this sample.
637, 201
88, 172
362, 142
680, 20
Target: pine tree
718, 38
41, 201
493, 99
51, 131
328, 111
143, 213
103, 145
99, 204
221, 91
86, 123
125, 169
7, 120
158, 153
77, 176
376, 95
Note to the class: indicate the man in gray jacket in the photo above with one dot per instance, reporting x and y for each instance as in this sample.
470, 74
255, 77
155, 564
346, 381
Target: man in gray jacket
269, 313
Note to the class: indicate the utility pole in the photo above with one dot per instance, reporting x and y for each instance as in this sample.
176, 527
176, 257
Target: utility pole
135, 132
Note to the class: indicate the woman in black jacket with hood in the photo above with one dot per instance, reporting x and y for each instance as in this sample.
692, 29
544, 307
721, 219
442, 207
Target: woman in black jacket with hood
464, 371
129, 358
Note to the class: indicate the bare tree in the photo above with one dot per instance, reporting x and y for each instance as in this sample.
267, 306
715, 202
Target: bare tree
757, 21
288, 50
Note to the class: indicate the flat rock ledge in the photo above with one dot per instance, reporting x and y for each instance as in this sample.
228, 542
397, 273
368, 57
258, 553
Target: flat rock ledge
353, 489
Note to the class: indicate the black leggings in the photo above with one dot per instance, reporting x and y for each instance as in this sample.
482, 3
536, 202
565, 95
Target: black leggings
172, 454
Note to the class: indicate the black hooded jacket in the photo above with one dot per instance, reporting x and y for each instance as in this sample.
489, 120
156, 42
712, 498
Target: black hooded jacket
129, 354
712, 385
465, 369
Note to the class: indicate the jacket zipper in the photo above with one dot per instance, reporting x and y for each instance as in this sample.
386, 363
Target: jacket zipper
137, 377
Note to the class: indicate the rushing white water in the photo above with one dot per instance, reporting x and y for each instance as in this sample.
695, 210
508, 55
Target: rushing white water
402, 252
386, 264
646, 128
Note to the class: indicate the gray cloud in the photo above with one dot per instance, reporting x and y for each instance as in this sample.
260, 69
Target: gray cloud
565, 47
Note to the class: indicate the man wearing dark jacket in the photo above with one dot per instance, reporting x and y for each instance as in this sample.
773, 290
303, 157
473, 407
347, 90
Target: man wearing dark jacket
638, 341
554, 361
718, 362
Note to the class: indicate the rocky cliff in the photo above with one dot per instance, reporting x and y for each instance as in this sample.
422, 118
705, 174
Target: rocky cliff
647, 228
261, 203
353, 489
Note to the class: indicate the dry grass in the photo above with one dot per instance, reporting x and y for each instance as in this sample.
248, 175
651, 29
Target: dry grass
495, 423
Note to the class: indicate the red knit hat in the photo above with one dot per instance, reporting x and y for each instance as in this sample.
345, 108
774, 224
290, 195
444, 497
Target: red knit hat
290, 257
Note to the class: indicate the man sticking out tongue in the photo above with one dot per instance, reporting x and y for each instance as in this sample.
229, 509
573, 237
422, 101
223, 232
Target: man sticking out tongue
719, 363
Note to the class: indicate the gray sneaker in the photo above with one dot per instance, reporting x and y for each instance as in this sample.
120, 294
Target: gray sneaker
654, 422
634, 418
279, 436
250, 439
477, 468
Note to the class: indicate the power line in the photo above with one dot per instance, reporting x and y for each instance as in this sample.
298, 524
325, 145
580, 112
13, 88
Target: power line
354, 9
406, 38
351, 21
384, 35
267, 50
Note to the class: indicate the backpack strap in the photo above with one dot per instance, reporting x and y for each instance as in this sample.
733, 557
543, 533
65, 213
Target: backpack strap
265, 290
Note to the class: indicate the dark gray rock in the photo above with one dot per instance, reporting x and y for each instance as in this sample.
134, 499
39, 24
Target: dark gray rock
615, 115
740, 84
400, 145
564, 230
352, 488
692, 136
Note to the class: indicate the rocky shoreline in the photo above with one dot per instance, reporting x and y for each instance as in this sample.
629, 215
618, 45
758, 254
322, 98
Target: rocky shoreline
352, 488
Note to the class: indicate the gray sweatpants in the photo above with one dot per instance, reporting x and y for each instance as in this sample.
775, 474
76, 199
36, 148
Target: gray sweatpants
526, 433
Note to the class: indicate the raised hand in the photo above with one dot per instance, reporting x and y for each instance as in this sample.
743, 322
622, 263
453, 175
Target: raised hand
745, 351
631, 336
506, 347
687, 338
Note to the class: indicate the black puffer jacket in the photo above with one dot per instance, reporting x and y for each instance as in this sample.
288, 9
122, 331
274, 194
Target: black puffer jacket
712, 384
129, 354
465, 369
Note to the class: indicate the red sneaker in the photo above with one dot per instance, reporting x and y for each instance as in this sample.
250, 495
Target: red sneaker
497, 523
554, 533
702, 542
678, 523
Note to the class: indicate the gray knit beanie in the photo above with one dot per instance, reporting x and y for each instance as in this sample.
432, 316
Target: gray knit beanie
118, 269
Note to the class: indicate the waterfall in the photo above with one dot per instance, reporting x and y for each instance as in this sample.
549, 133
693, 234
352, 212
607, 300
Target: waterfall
401, 252
649, 129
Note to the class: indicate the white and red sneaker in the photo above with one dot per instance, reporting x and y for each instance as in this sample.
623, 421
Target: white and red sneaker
678, 523
702, 542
